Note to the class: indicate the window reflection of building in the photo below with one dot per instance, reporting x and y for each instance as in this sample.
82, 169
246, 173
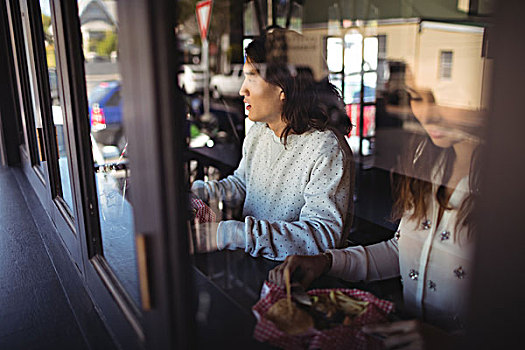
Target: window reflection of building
97, 18
360, 40
445, 57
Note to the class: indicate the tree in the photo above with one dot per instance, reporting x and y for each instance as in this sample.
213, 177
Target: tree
107, 45
48, 30
219, 25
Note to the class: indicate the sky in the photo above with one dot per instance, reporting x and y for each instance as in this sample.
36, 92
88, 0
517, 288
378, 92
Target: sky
44, 7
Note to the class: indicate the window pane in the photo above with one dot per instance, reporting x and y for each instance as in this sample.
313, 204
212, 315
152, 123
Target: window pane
353, 52
336, 80
445, 64
56, 103
99, 27
334, 59
370, 80
352, 91
370, 53
414, 91
35, 104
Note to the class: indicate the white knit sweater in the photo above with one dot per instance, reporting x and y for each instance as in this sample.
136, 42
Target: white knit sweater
296, 199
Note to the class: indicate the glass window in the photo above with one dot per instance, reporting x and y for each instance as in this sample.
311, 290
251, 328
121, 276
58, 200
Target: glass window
411, 89
334, 59
13, 16
99, 28
38, 153
445, 65
56, 103
353, 52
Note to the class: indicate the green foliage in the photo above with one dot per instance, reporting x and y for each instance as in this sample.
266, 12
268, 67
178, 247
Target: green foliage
194, 131
50, 55
46, 22
107, 45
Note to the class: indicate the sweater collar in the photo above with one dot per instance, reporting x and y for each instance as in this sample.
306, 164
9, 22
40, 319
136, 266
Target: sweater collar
291, 140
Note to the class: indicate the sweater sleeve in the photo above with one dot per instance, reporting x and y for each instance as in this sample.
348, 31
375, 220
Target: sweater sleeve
321, 221
231, 190
366, 263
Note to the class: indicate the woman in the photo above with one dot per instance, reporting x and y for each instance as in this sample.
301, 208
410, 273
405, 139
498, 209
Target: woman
294, 181
432, 247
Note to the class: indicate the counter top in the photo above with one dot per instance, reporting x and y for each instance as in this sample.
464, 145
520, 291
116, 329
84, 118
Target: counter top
228, 284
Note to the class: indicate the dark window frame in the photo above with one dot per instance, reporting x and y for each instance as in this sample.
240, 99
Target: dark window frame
122, 315
16, 22
46, 109
170, 321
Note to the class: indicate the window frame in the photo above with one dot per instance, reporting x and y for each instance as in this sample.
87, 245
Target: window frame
122, 315
17, 24
147, 92
47, 114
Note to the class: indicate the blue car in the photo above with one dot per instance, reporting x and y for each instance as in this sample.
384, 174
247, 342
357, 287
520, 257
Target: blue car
105, 114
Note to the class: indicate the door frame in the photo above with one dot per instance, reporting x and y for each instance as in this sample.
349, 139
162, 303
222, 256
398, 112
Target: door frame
154, 110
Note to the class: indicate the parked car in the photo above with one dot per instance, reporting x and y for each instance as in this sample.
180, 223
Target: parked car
227, 85
93, 57
105, 113
191, 78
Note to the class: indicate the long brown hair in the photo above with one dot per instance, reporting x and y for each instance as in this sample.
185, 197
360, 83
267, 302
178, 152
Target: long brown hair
308, 104
413, 184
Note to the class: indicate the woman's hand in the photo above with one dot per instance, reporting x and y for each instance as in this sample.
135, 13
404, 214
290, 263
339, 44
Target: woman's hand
305, 268
410, 334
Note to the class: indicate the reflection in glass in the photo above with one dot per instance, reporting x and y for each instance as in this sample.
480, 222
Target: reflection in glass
353, 52
334, 54
56, 104
253, 19
99, 27
32, 87
370, 81
416, 87
336, 80
370, 53
352, 88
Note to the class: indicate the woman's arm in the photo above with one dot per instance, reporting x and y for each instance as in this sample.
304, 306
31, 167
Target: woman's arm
373, 262
321, 223
231, 190
366, 263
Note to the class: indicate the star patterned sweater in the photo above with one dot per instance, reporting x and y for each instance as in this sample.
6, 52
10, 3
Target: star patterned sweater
296, 199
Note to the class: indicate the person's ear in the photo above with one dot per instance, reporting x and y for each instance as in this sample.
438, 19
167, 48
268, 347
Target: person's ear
282, 97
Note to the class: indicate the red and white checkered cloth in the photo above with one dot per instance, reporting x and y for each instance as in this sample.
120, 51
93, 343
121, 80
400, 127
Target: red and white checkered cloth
340, 337
201, 211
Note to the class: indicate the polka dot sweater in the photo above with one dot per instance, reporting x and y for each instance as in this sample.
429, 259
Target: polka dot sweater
296, 199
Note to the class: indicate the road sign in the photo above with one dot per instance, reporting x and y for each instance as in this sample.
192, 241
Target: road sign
203, 16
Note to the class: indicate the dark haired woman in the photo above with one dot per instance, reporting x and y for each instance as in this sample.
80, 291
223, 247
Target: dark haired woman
432, 247
295, 178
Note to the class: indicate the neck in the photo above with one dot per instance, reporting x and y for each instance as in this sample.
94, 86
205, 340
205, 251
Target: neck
463, 152
277, 127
